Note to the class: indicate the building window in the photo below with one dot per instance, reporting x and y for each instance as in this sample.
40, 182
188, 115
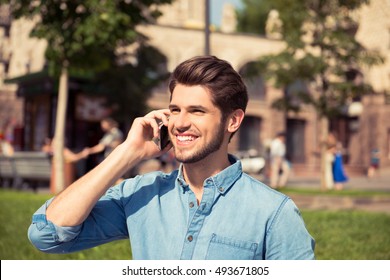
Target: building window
295, 140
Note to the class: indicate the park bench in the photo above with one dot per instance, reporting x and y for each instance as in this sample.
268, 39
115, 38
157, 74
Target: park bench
7, 172
26, 167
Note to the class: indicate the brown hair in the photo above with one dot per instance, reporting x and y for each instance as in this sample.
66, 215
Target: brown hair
225, 85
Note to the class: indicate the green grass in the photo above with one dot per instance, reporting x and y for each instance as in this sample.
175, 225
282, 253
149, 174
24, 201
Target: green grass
349, 235
16, 209
341, 235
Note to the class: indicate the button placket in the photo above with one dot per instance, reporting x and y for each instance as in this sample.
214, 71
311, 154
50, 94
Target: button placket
197, 215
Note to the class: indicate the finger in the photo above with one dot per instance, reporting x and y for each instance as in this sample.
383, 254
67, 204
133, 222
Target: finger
160, 115
165, 117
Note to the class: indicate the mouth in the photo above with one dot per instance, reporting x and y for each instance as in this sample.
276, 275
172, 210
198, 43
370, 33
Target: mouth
185, 139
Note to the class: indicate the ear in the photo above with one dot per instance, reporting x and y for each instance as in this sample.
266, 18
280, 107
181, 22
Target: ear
235, 120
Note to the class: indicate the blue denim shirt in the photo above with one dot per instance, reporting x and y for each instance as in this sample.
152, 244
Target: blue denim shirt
237, 218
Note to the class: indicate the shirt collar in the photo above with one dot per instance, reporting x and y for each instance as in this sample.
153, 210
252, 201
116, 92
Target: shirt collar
222, 181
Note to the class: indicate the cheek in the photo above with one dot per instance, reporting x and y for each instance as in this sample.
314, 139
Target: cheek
213, 130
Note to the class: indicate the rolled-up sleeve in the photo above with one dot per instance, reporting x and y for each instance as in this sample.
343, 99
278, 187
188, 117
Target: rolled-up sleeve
105, 223
46, 236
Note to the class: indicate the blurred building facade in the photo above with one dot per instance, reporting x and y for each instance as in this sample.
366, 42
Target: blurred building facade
179, 34
11, 108
28, 95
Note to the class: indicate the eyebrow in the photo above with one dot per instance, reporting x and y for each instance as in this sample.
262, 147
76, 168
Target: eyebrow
191, 107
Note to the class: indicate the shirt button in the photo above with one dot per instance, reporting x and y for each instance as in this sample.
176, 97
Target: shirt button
190, 238
191, 204
221, 189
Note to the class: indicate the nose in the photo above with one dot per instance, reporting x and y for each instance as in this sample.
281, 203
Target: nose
181, 121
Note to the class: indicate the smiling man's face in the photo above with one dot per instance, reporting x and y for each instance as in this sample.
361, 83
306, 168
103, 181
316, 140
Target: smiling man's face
195, 124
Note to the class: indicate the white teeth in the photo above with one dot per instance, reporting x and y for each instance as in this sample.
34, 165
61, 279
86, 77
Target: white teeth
185, 138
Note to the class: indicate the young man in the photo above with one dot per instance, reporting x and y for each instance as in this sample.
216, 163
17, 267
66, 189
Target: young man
207, 209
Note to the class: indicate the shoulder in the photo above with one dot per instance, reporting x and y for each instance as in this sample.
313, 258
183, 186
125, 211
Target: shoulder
116, 131
267, 201
152, 182
262, 193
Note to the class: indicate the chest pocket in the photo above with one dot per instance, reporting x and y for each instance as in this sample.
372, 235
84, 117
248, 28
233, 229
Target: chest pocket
225, 248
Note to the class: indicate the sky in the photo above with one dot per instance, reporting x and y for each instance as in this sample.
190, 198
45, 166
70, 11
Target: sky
216, 9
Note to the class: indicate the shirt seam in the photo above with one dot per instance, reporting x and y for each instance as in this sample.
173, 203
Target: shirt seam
279, 210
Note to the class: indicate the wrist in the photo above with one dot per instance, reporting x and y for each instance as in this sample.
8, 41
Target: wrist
127, 156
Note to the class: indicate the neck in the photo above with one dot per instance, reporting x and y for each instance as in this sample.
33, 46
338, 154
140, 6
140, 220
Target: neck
196, 173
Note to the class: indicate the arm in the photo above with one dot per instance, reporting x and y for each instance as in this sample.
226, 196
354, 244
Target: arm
97, 148
86, 191
73, 157
287, 237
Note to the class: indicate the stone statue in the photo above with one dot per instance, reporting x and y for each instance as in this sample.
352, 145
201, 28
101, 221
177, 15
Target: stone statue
273, 25
229, 19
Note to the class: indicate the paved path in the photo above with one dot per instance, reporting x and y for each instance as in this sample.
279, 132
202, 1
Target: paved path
333, 202
379, 183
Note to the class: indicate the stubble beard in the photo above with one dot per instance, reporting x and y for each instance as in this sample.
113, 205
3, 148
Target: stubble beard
204, 151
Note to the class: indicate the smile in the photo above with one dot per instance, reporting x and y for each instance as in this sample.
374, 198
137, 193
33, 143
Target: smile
185, 138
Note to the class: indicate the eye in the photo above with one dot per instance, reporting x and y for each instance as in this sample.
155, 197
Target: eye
174, 110
198, 111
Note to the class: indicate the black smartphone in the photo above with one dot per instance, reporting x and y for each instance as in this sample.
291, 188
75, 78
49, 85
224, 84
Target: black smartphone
164, 137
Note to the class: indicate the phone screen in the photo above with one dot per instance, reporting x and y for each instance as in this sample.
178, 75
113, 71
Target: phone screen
164, 137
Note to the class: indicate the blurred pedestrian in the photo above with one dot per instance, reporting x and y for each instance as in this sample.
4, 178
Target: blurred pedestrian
110, 140
374, 163
330, 157
6, 147
339, 176
280, 167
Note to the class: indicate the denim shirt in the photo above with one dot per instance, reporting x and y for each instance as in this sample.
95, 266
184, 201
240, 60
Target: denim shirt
237, 218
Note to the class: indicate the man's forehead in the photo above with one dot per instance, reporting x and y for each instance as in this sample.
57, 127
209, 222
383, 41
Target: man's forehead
191, 96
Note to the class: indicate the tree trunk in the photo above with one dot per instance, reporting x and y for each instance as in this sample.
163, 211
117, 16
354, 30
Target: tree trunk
59, 136
324, 123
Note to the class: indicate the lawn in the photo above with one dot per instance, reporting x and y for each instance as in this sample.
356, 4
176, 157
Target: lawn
16, 209
341, 235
